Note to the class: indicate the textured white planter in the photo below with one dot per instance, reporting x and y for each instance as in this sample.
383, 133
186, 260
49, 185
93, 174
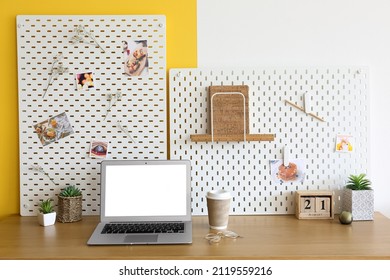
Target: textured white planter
47, 219
360, 204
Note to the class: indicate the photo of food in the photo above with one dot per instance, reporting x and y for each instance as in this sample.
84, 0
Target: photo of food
99, 149
344, 144
293, 172
84, 81
135, 57
53, 129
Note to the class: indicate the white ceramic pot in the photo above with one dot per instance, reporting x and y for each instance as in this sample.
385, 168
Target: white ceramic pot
47, 219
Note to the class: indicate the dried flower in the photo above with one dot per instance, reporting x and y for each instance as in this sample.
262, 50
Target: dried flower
124, 129
82, 34
39, 169
112, 98
57, 68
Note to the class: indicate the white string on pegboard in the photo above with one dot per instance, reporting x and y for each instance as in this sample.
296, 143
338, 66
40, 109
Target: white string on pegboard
110, 101
339, 95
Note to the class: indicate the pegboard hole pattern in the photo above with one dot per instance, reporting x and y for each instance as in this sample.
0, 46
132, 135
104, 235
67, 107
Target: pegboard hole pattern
141, 110
339, 95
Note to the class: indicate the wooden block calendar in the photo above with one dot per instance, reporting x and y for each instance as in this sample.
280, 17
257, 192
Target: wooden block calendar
314, 204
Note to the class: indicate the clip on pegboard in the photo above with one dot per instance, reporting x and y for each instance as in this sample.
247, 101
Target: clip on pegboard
286, 156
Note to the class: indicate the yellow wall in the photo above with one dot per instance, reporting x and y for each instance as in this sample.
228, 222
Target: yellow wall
181, 53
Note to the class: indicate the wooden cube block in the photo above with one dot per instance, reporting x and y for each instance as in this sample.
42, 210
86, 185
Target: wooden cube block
308, 204
323, 204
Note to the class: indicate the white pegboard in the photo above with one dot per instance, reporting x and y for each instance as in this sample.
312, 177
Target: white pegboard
141, 110
340, 96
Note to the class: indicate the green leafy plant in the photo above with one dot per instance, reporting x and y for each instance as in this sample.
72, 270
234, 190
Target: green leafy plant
358, 182
70, 191
45, 206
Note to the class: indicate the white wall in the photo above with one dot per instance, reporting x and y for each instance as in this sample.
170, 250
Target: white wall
303, 33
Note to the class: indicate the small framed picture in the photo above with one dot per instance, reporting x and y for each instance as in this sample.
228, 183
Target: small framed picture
85, 81
344, 144
98, 149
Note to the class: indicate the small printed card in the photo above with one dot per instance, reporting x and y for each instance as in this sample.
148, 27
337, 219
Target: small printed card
294, 172
85, 81
53, 129
136, 57
98, 149
344, 144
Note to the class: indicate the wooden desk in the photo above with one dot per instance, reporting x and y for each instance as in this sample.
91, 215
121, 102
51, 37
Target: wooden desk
264, 237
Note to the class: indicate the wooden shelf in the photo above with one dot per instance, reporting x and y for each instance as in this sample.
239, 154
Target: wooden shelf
249, 137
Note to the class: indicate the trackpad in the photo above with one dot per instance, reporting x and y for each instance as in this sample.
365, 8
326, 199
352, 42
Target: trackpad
138, 238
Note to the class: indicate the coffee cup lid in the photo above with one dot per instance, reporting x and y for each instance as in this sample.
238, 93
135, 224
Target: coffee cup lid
219, 194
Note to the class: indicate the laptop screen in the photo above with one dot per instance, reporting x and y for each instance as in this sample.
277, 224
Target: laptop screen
144, 188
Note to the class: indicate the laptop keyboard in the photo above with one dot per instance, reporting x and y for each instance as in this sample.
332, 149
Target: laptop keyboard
117, 228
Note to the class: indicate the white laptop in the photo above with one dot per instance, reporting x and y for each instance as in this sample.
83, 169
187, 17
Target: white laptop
144, 202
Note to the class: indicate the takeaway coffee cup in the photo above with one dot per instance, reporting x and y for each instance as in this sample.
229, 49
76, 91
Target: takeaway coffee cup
218, 206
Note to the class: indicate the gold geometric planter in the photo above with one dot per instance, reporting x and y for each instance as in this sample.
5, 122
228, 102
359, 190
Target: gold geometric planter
70, 209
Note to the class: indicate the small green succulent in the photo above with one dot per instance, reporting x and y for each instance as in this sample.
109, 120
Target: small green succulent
45, 206
70, 191
358, 182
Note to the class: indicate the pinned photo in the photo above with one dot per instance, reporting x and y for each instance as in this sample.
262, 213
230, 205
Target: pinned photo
293, 172
98, 149
85, 81
344, 144
53, 129
135, 57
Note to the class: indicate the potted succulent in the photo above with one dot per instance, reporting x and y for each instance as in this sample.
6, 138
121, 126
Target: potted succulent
359, 198
46, 215
70, 204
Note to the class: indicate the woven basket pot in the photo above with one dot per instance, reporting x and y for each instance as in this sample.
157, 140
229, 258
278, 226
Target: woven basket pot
69, 209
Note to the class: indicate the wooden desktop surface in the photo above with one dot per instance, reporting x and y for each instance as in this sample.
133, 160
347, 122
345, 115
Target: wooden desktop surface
264, 237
